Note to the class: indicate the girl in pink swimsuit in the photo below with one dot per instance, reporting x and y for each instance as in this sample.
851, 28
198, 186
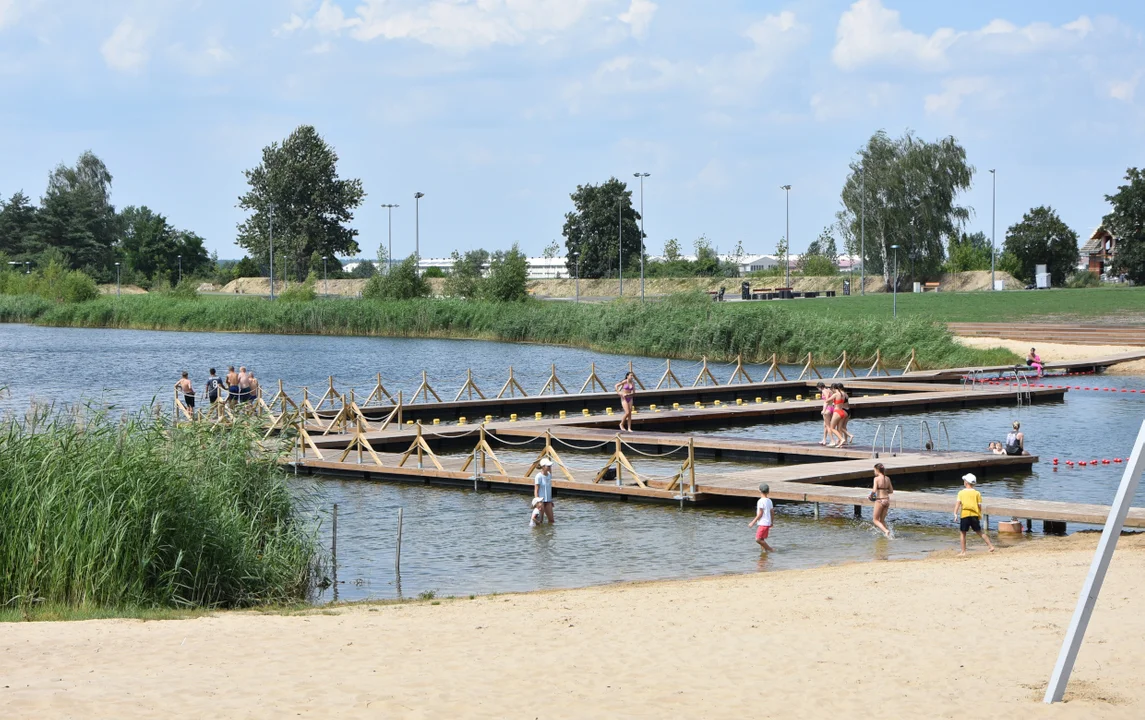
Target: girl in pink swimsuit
627, 390
828, 410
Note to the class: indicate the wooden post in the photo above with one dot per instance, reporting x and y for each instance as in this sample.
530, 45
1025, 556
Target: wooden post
419, 442
380, 393
552, 383
774, 368
739, 371
618, 466
692, 465
512, 386
911, 364
593, 381
810, 368
398, 549
469, 386
425, 390
669, 377
705, 374
635, 377
334, 549
844, 367
877, 366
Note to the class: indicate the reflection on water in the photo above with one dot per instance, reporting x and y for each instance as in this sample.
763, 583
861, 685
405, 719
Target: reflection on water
458, 542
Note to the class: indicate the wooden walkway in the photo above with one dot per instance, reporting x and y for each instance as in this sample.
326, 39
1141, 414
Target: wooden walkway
1071, 334
1098, 364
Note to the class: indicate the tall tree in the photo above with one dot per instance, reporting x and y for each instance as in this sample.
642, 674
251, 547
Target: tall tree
465, 276
18, 227
672, 250
76, 215
603, 221
1127, 223
969, 252
1041, 238
907, 190
151, 247
312, 205
508, 276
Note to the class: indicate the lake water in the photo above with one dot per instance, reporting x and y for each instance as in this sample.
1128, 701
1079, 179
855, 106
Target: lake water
458, 542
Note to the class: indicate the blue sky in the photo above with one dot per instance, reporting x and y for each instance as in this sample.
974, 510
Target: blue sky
497, 109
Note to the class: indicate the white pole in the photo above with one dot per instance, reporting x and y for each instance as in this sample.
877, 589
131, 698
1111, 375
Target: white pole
1096, 577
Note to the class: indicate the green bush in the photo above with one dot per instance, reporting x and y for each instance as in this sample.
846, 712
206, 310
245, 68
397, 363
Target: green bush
819, 266
403, 283
1083, 279
53, 283
433, 272
144, 515
300, 292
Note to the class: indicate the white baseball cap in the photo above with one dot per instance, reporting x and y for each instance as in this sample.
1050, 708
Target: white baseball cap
545, 462
969, 477
537, 501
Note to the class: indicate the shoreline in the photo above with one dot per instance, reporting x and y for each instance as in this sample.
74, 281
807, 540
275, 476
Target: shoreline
893, 639
1056, 352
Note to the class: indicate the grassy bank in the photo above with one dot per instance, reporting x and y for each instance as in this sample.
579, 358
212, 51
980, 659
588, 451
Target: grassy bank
137, 515
679, 327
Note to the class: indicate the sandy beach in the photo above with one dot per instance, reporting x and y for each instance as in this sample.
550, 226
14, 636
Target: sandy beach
943, 637
1052, 352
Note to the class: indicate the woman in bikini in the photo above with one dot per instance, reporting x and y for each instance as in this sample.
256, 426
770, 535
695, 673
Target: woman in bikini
839, 421
627, 390
828, 411
882, 490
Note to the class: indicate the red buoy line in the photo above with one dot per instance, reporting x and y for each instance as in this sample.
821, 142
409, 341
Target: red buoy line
1089, 463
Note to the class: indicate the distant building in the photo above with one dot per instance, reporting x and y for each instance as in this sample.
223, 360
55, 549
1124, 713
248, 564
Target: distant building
540, 268
1099, 251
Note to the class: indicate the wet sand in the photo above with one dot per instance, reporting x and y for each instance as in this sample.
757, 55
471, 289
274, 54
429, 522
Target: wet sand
1052, 352
943, 637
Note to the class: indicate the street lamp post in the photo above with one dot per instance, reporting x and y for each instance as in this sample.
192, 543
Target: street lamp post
863, 229
325, 279
390, 251
620, 243
993, 224
27, 267
117, 279
642, 176
270, 209
180, 269
576, 260
787, 240
895, 286
417, 228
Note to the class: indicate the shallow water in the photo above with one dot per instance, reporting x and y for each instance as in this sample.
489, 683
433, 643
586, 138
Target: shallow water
458, 542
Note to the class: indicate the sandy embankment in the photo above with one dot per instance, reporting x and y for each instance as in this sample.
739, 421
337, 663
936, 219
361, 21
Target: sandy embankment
942, 637
1052, 352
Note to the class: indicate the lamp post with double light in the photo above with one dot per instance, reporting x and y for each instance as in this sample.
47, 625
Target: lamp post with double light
417, 228
642, 176
390, 225
787, 240
117, 279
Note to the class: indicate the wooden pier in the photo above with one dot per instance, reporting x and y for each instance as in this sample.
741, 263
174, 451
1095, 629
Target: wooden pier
456, 442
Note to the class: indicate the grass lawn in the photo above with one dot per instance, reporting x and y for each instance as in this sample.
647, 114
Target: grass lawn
1117, 305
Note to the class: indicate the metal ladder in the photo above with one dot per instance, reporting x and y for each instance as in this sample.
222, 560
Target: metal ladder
880, 432
928, 444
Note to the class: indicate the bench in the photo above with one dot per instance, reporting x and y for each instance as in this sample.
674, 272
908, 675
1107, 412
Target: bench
930, 286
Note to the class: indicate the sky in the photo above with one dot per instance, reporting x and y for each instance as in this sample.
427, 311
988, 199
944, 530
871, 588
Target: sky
498, 109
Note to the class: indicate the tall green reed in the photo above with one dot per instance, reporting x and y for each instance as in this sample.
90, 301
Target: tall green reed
139, 514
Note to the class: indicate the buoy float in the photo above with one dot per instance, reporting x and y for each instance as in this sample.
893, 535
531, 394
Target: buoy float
1069, 462
1081, 463
1055, 461
1117, 460
1105, 461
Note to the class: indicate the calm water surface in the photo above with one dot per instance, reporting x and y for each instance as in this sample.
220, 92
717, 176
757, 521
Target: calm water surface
463, 542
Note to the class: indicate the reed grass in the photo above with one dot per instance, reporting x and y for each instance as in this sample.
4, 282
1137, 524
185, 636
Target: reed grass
136, 514
679, 327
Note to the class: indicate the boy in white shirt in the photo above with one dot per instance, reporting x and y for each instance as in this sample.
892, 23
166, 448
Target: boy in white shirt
535, 519
763, 510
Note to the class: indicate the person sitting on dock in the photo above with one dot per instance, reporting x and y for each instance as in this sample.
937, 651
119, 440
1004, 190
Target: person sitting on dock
1034, 361
881, 492
968, 511
1015, 441
184, 386
543, 489
763, 508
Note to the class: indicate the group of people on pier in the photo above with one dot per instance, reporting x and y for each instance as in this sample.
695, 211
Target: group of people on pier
236, 387
836, 414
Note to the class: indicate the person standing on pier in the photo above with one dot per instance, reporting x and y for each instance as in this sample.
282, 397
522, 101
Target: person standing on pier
188, 392
968, 511
543, 489
828, 410
254, 391
232, 382
244, 385
762, 521
881, 495
627, 390
213, 384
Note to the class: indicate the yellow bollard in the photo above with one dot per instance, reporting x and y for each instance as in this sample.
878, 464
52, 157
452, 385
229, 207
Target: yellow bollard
675, 406
798, 397
739, 401
608, 411
409, 422
653, 408
562, 414
513, 417
699, 404
585, 412
488, 418
461, 420
537, 416
778, 398
759, 400
437, 421
718, 403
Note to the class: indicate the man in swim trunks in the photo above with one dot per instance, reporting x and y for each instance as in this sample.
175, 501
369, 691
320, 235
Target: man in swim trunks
252, 392
188, 392
244, 385
232, 383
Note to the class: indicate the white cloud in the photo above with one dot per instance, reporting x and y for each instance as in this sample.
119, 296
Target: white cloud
639, 17
126, 49
871, 34
9, 13
953, 92
211, 58
457, 24
774, 40
1124, 90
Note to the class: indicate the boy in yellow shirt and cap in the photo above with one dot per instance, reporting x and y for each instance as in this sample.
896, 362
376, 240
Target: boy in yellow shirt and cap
968, 511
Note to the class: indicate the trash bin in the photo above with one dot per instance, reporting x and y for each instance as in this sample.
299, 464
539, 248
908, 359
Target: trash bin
745, 290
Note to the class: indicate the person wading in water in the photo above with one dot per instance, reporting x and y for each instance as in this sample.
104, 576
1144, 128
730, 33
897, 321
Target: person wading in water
881, 492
